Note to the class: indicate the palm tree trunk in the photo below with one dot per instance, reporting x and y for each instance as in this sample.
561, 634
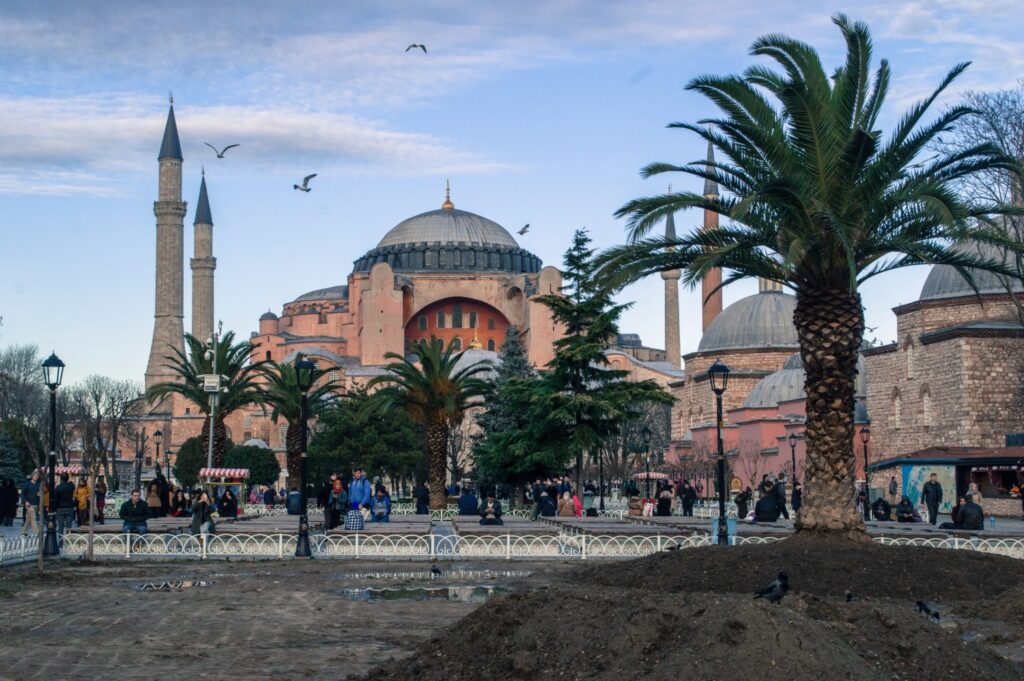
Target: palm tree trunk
830, 325
437, 464
293, 449
220, 439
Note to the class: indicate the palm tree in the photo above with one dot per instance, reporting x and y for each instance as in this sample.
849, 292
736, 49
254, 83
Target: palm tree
435, 392
282, 393
820, 202
239, 383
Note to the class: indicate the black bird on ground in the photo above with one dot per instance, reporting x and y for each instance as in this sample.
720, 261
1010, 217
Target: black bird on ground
417, 45
849, 596
774, 592
305, 183
434, 571
930, 609
220, 154
525, 229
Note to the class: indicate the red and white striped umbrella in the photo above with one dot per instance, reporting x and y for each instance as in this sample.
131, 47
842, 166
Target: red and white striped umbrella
224, 472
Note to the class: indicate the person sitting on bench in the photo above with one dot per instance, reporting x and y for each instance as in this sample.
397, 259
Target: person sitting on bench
881, 509
490, 512
135, 513
971, 516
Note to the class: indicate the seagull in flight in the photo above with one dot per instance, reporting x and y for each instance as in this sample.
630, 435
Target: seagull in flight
305, 183
415, 45
220, 154
525, 229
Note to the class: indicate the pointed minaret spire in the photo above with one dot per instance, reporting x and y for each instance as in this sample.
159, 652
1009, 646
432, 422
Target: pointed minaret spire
170, 147
710, 186
710, 287
673, 352
447, 205
203, 265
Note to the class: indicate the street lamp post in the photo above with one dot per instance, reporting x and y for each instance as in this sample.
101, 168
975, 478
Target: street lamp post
211, 386
304, 370
140, 439
600, 476
792, 454
865, 435
53, 372
718, 374
158, 437
646, 435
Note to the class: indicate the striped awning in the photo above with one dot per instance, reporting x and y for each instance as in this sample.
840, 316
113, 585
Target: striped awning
70, 470
224, 472
654, 475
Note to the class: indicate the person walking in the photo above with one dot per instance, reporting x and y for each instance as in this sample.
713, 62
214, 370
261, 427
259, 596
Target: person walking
30, 504
931, 494
66, 504
134, 513
82, 494
101, 499
268, 497
422, 496
688, 497
797, 496
8, 502
780, 495
202, 515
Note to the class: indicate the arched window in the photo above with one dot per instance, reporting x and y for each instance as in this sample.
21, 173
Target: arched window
926, 408
690, 419
268, 356
472, 320
422, 322
490, 345
897, 407
456, 316
910, 358
457, 343
490, 324
440, 319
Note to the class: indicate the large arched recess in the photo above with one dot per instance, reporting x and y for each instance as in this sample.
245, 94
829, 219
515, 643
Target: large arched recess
463, 318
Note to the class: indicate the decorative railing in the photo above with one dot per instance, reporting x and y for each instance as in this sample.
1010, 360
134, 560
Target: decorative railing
18, 549
432, 546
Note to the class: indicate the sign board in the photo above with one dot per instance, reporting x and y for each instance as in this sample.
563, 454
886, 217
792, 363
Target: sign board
211, 383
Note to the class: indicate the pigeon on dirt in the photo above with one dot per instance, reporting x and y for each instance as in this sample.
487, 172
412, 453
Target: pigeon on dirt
930, 609
305, 183
774, 592
434, 571
220, 154
525, 229
417, 45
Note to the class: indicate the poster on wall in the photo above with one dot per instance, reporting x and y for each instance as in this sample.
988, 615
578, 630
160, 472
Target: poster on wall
914, 478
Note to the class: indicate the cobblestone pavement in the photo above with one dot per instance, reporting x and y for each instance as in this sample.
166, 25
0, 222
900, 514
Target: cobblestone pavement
275, 620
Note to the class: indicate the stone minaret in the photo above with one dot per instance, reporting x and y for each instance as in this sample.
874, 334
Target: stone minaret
203, 264
168, 332
672, 348
711, 302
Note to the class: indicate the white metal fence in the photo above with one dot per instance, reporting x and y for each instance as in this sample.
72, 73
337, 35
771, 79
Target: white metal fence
436, 547
18, 549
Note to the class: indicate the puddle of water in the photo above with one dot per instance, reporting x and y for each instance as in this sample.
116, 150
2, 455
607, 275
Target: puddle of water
457, 594
427, 575
178, 585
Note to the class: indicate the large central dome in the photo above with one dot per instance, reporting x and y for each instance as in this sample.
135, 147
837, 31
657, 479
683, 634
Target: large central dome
448, 225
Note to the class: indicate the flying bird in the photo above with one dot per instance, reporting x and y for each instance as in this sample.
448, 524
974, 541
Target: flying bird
930, 609
220, 154
434, 571
415, 45
774, 592
525, 229
305, 183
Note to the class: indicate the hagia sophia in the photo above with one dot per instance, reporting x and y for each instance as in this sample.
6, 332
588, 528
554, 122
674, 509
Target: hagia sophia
946, 397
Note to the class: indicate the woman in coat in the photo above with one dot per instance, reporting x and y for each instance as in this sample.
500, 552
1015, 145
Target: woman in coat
228, 507
82, 494
178, 504
336, 504
565, 507
202, 515
153, 501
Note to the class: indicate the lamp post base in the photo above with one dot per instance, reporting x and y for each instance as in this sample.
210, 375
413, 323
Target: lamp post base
723, 532
302, 548
50, 545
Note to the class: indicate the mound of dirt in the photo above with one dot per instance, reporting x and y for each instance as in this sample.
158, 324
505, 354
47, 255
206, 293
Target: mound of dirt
825, 567
608, 633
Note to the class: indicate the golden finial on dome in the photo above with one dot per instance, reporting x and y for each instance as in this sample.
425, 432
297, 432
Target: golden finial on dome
447, 205
475, 344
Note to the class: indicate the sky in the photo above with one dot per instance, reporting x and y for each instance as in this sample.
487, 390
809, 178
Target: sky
538, 112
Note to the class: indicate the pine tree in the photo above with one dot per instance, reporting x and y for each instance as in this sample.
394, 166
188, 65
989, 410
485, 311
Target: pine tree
10, 467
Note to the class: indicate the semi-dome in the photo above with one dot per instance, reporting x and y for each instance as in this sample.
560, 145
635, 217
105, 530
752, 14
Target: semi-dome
329, 293
945, 282
268, 316
763, 320
448, 226
788, 384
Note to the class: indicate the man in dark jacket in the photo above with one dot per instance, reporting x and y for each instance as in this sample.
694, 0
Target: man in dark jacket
882, 509
780, 495
931, 494
135, 513
766, 510
30, 503
422, 495
67, 507
490, 511
971, 516
548, 505
468, 504
688, 497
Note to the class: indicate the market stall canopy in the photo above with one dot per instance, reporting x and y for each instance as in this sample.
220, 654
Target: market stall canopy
653, 475
224, 472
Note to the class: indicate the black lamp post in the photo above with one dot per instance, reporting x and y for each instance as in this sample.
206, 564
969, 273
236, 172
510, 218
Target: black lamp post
158, 437
53, 372
304, 370
646, 435
718, 373
865, 435
600, 476
792, 454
